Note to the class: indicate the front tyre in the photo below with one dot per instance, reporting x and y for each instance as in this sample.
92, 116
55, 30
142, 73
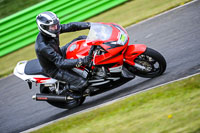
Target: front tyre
152, 62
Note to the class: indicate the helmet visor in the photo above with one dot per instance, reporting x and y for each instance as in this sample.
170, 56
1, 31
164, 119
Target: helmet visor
54, 28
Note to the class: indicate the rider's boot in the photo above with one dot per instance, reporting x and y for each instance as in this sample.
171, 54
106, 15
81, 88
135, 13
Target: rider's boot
76, 91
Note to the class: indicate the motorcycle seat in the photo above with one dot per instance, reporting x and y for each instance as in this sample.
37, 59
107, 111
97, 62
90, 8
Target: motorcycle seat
33, 67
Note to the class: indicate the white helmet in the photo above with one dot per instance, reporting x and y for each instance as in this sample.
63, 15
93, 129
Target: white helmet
48, 23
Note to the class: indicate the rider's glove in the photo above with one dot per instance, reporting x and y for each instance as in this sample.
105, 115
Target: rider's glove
84, 61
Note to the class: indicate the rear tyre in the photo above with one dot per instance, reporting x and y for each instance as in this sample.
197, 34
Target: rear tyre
69, 104
153, 61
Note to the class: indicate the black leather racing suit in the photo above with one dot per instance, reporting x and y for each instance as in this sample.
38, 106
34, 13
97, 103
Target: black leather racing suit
51, 57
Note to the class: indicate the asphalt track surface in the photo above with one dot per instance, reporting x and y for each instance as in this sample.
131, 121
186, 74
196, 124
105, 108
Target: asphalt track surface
175, 34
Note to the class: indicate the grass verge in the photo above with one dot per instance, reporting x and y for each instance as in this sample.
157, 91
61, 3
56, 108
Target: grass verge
167, 109
126, 14
8, 7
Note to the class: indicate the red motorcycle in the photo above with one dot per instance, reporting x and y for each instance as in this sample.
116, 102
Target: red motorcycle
114, 63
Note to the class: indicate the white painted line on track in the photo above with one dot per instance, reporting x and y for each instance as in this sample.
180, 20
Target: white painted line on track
160, 14
107, 103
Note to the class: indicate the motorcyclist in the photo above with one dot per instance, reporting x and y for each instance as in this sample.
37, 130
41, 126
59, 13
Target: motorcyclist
51, 56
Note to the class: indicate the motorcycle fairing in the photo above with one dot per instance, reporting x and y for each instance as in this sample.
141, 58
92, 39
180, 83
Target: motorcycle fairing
77, 49
133, 51
113, 52
19, 71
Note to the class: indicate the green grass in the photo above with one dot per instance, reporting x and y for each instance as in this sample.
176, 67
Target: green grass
126, 14
9, 7
147, 112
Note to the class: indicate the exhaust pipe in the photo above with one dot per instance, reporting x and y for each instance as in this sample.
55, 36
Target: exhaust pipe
49, 97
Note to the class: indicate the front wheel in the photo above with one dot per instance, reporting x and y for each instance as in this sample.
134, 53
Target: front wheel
152, 64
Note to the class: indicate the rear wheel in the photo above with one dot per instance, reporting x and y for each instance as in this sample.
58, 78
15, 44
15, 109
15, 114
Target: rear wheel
152, 64
69, 104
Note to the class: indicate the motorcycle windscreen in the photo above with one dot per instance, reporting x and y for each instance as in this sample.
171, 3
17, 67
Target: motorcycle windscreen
99, 32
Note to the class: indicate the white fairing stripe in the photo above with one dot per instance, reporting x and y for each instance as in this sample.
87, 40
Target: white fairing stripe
19, 72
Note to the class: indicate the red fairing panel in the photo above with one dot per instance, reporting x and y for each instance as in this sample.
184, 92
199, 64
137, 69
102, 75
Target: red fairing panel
133, 51
114, 53
78, 49
41, 80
